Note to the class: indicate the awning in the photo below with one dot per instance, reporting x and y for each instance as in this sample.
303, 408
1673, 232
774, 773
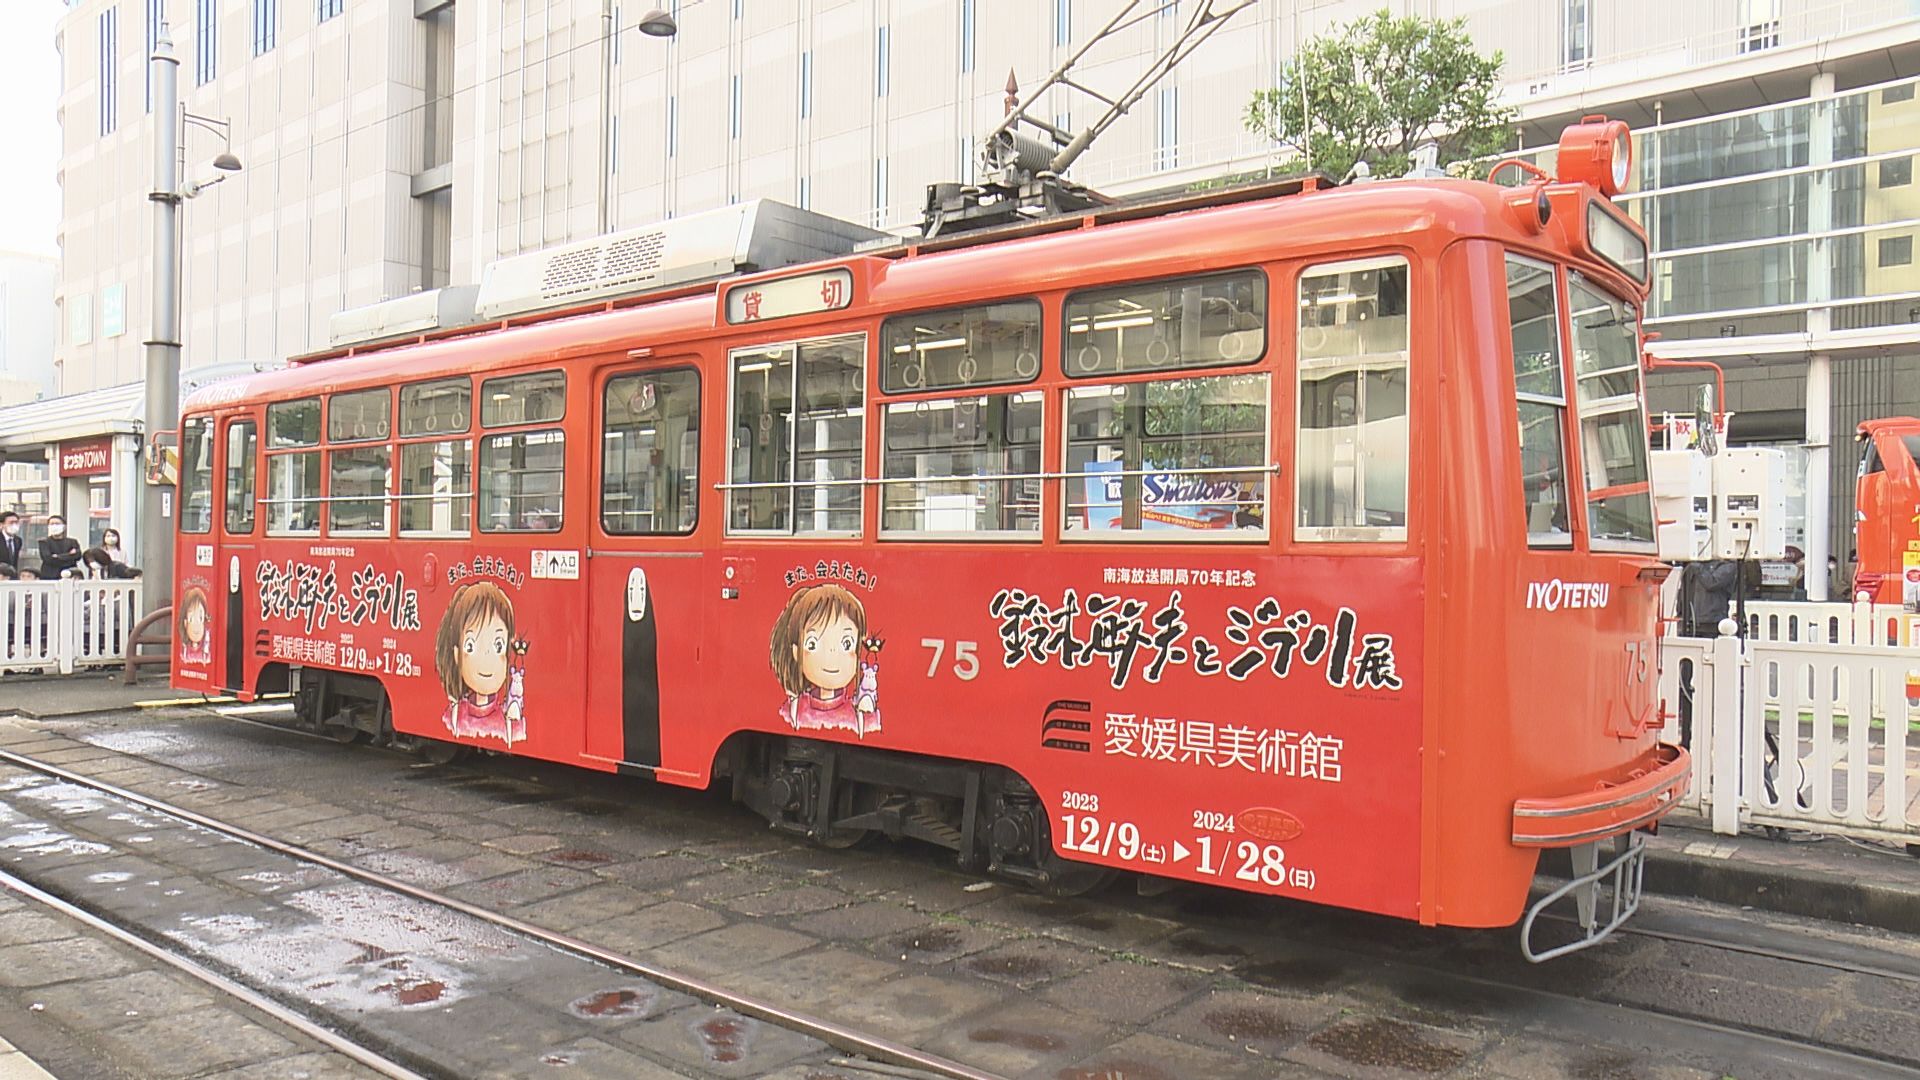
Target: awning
114, 410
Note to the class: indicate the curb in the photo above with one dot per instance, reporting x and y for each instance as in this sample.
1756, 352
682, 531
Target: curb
1788, 890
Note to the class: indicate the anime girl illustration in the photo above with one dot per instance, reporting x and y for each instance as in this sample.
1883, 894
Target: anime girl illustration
482, 665
826, 663
196, 645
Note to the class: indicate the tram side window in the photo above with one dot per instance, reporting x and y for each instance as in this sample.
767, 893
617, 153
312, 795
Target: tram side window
1187, 455
196, 476
357, 486
968, 466
1613, 426
436, 478
522, 481
540, 398
1351, 451
361, 416
293, 492
798, 431
293, 423
1186, 322
242, 442
984, 345
1540, 386
650, 453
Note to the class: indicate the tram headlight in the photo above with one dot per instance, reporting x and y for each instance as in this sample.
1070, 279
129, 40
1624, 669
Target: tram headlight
1596, 151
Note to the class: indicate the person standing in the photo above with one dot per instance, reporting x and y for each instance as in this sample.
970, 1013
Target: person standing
59, 553
1706, 592
10, 544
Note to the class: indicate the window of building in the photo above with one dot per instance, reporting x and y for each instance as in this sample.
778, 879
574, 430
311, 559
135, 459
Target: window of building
1896, 172
1613, 426
1759, 25
1351, 450
733, 109
242, 444
328, 9
806, 84
1894, 95
963, 466
196, 476
436, 488
966, 36
206, 27
522, 481
982, 345
882, 62
1896, 251
1181, 322
358, 485
1166, 152
798, 430
1187, 455
523, 399
880, 189
650, 453
1062, 22
361, 416
1539, 381
266, 25
156, 14
805, 193
673, 126
1577, 43
109, 73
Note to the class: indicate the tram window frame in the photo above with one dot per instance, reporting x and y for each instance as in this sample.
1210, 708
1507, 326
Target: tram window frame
196, 475
769, 354
1598, 414
282, 508
523, 386
278, 409
336, 502
240, 513
1133, 480
980, 503
488, 476
349, 406
1542, 390
1071, 358
683, 477
1399, 360
419, 431
909, 325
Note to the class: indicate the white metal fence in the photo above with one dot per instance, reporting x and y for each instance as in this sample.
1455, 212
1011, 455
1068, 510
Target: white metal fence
1812, 722
59, 626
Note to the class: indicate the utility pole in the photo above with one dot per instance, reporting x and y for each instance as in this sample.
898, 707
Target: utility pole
156, 502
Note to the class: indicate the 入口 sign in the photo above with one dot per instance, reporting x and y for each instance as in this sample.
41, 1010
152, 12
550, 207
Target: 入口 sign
556, 565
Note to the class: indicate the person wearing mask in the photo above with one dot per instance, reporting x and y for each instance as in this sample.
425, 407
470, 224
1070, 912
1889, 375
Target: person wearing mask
59, 553
107, 560
11, 546
1706, 593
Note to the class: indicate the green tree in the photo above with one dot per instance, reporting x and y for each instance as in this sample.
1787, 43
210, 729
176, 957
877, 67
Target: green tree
1380, 86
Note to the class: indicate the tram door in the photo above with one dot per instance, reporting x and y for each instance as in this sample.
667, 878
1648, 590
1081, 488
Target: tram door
645, 569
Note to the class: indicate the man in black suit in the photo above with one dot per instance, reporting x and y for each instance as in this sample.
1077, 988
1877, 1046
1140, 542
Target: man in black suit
10, 545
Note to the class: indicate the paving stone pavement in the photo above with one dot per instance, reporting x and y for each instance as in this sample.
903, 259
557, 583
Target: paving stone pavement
1198, 983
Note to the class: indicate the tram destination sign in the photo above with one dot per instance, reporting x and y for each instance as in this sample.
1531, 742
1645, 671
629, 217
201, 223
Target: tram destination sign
781, 298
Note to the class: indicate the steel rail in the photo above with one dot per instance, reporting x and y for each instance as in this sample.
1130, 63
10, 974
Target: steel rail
325, 1036
1767, 952
833, 1034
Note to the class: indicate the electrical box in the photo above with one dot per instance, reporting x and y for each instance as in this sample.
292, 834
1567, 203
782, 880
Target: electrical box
1682, 504
1750, 504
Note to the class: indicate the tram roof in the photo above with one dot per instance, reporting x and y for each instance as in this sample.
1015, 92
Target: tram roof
1417, 216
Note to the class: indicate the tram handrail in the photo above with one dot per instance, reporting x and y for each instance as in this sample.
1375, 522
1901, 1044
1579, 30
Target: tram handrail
871, 481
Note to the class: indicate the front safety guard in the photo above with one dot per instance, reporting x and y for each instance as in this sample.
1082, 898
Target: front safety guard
1650, 788
1622, 877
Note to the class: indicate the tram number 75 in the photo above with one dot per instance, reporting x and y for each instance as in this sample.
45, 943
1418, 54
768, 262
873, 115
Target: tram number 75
966, 658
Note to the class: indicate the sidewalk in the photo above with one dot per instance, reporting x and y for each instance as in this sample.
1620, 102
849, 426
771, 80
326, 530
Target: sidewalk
1811, 876
15, 1065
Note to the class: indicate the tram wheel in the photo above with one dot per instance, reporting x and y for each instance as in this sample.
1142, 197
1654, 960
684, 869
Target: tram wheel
344, 734
438, 751
840, 839
1077, 879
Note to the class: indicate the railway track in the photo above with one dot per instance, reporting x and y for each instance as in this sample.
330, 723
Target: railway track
863, 1050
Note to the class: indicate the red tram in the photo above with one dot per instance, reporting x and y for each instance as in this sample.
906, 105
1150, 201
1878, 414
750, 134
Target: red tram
1300, 545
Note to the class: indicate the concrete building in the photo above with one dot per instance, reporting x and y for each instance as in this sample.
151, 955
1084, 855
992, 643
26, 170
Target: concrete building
392, 145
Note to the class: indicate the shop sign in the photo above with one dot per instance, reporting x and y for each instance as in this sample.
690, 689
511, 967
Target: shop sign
86, 457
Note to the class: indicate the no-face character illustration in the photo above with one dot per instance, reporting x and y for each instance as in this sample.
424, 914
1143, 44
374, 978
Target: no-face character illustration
820, 649
196, 646
482, 665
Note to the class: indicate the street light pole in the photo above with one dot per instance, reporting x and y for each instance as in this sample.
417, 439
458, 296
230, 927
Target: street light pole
155, 503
